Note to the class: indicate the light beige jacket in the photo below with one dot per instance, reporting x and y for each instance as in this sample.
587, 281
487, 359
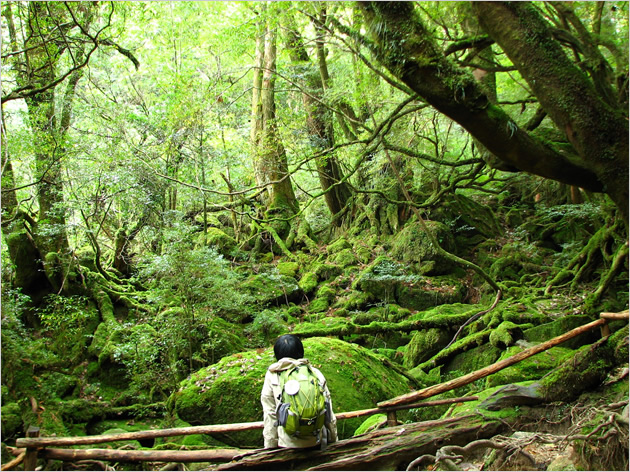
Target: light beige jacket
273, 434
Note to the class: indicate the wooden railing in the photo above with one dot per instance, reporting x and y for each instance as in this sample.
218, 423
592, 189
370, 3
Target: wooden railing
34, 447
44, 447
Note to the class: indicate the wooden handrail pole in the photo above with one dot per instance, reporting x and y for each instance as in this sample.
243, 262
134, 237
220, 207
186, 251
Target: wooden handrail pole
30, 458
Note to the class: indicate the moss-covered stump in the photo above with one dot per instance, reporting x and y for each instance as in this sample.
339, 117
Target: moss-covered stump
413, 247
229, 391
388, 281
273, 289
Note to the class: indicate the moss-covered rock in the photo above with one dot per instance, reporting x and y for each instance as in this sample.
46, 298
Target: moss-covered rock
269, 288
344, 258
386, 280
319, 305
474, 359
370, 424
532, 368
325, 271
338, 246
229, 391
424, 345
308, 282
11, 420
412, 246
289, 269
223, 242
505, 334
546, 331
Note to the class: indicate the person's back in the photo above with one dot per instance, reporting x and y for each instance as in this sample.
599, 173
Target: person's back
277, 394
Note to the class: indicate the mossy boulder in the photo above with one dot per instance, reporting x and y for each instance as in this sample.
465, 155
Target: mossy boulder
546, 331
338, 246
319, 305
11, 420
326, 271
532, 368
229, 391
412, 246
308, 282
289, 269
344, 258
223, 242
505, 334
424, 345
388, 281
474, 359
269, 288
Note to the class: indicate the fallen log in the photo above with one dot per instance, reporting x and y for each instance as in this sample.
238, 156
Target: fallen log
390, 448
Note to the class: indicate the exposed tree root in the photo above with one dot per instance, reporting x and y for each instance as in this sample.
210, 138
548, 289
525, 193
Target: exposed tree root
583, 263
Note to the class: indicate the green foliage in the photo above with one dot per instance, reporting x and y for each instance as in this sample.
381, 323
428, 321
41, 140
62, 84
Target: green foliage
196, 279
266, 327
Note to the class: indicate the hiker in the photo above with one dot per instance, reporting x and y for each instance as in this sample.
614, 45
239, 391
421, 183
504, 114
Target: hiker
295, 399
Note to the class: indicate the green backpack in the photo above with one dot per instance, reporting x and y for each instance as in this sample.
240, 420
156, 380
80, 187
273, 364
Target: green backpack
302, 411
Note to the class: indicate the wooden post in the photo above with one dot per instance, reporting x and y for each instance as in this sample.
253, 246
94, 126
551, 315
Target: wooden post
391, 418
30, 460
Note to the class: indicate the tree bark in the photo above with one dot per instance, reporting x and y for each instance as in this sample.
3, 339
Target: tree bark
408, 50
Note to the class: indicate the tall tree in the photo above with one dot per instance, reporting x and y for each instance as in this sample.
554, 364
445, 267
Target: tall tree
270, 156
48, 30
597, 131
314, 79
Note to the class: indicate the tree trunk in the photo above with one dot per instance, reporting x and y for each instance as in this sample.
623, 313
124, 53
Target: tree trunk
319, 120
597, 132
273, 153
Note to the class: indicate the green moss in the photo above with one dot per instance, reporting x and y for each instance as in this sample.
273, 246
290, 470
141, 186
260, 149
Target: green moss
229, 391
549, 330
363, 254
474, 359
308, 282
505, 334
619, 341
476, 407
413, 247
338, 246
371, 423
353, 300
344, 258
424, 345
586, 368
11, 420
271, 288
532, 368
327, 292
319, 305
288, 268
326, 271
